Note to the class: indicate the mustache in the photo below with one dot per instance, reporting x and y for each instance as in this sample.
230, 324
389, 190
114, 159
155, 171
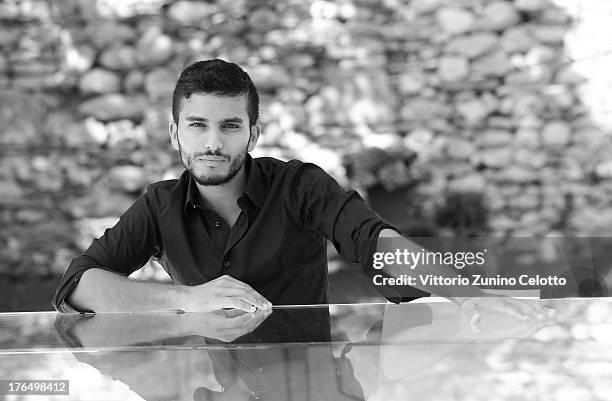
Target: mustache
209, 153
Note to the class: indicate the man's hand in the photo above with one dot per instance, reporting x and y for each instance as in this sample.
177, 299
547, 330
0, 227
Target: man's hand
224, 292
473, 310
225, 325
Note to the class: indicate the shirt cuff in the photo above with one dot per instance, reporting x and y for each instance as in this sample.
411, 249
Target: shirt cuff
64, 289
395, 294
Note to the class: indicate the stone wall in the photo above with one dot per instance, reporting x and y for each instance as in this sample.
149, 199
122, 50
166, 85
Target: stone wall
482, 90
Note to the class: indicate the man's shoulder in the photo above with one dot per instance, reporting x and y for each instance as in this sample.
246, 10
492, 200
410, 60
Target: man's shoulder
274, 165
293, 172
167, 186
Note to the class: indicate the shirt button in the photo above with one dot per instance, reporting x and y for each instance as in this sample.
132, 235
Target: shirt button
217, 223
226, 263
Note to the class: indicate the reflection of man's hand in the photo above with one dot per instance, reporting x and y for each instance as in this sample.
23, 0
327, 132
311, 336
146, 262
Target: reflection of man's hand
225, 325
500, 316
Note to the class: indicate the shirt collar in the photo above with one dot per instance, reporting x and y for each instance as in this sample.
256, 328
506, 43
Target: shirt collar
254, 185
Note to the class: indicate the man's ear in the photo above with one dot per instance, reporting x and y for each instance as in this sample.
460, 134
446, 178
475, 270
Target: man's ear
254, 137
173, 131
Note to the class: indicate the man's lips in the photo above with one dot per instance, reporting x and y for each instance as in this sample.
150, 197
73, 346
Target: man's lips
212, 158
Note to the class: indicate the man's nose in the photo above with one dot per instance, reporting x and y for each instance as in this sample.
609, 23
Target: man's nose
213, 141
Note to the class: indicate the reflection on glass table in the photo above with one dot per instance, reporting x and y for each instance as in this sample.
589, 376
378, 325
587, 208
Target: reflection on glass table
421, 351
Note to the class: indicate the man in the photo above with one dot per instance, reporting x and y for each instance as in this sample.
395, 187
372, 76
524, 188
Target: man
232, 231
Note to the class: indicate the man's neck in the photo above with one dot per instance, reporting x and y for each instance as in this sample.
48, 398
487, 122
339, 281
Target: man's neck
225, 196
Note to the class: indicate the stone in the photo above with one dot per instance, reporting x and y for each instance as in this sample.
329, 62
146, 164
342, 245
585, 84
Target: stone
126, 178
31, 216
134, 81
541, 55
10, 36
125, 134
453, 69
268, 77
79, 58
500, 122
11, 193
498, 15
114, 106
191, 12
369, 111
36, 67
419, 140
120, 57
520, 78
549, 35
556, 134
263, 19
495, 64
160, 83
516, 39
51, 181
424, 110
108, 33
21, 115
518, 175
153, 48
79, 176
603, 169
568, 75
474, 111
99, 81
455, 20
494, 138
469, 183
530, 158
527, 104
411, 83
99, 203
36, 82
459, 149
472, 46
426, 6
495, 157
559, 97
531, 5
95, 132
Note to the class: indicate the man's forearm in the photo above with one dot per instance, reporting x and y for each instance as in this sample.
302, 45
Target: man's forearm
102, 291
389, 236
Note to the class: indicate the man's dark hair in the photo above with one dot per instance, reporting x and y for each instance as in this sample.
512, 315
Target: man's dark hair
215, 77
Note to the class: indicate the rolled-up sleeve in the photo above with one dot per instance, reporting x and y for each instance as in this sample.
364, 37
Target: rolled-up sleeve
344, 218
122, 249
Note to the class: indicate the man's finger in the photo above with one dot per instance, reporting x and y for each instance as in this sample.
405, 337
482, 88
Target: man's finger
511, 309
236, 303
249, 295
258, 300
530, 309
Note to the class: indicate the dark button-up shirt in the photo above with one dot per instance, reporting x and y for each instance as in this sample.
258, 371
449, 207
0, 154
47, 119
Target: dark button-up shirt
277, 245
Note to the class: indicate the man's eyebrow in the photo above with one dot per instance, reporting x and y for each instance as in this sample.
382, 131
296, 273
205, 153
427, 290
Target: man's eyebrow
225, 120
195, 118
232, 120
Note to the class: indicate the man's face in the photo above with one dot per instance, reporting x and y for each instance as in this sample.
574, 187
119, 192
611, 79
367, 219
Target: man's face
213, 137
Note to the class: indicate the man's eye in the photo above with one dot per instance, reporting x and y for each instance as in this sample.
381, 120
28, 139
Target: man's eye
231, 126
197, 125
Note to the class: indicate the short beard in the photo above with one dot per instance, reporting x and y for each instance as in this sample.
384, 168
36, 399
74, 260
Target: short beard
234, 167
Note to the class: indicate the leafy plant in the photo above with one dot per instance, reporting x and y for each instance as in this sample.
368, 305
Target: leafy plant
466, 213
391, 169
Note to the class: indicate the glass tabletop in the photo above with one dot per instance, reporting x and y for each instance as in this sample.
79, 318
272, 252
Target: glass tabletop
423, 350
